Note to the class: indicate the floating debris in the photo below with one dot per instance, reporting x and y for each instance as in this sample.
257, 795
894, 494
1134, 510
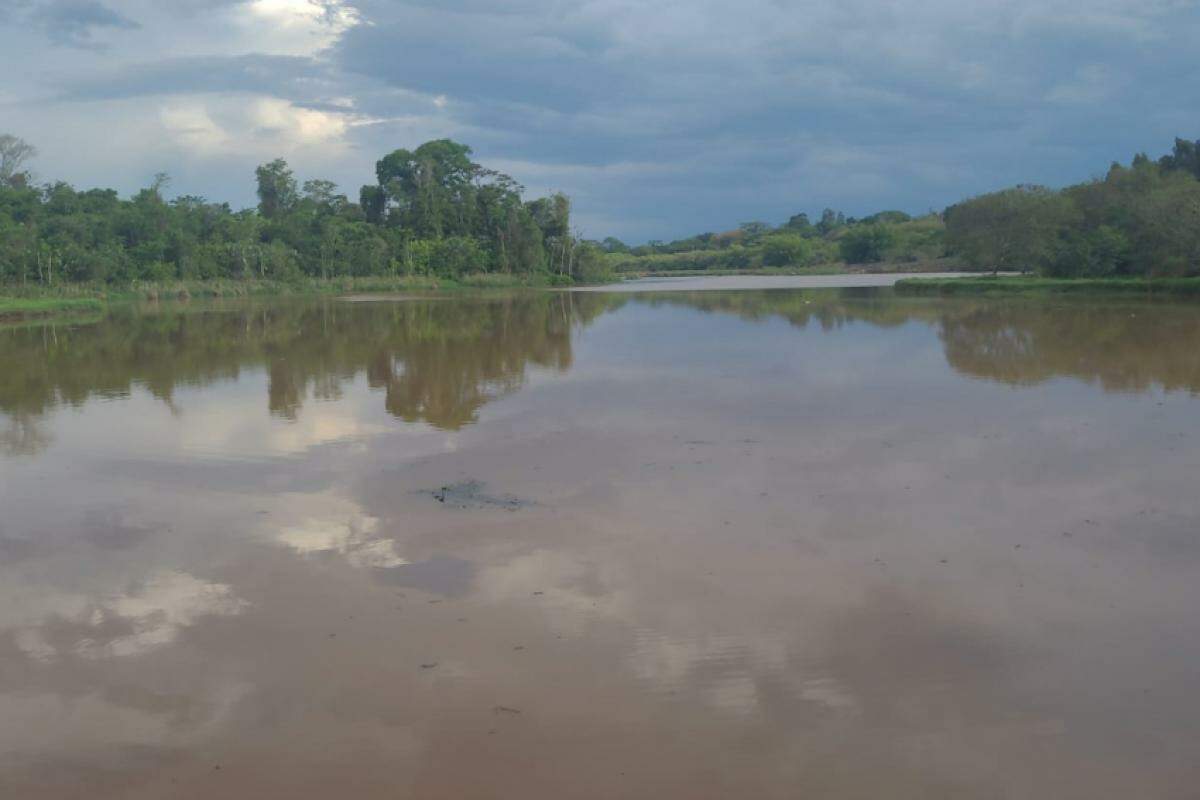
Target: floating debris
471, 494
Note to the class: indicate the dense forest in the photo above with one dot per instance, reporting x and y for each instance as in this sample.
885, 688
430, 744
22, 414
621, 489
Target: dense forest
433, 211
1143, 219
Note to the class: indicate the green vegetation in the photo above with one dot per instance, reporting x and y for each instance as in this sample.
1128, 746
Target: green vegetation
33, 301
1140, 220
432, 213
433, 218
42, 306
889, 241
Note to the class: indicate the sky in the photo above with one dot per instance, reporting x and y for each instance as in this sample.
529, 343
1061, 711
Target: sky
660, 118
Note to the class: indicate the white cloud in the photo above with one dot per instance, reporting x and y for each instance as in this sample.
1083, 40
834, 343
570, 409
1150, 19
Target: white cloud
357, 540
295, 27
154, 612
256, 126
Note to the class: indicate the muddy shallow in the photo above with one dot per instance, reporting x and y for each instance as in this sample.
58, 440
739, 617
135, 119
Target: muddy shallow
699, 545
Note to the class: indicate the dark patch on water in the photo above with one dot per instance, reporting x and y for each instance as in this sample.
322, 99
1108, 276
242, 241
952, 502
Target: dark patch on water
472, 494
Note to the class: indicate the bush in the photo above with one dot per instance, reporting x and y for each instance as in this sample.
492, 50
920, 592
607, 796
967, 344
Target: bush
865, 244
786, 250
458, 255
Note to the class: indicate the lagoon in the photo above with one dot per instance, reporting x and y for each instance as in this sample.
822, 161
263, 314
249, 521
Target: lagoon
796, 542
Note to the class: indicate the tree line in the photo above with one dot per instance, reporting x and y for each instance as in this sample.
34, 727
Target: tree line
1143, 219
1138, 220
888, 237
434, 211
431, 211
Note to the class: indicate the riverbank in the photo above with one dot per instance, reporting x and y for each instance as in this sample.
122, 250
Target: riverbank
944, 265
70, 299
740, 281
828, 269
19, 307
1022, 285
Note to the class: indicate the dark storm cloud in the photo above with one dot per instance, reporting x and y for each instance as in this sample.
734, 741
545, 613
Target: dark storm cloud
773, 109
74, 22
663, 117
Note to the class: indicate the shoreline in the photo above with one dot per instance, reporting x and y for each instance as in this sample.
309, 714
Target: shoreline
1030, 285
79, 300
24, 303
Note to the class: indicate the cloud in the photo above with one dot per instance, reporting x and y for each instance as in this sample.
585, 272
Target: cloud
143, 618
74, 23
254, 72
660, 118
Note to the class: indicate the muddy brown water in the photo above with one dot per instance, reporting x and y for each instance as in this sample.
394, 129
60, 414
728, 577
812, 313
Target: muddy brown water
776, 544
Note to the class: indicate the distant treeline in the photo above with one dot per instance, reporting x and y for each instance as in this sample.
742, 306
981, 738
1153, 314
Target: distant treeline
1138, 220
431, 211
891, 237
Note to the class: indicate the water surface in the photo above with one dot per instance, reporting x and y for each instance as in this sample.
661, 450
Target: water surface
716, 283
717, 544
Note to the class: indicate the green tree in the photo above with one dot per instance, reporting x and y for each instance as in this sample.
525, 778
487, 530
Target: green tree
865, 244
1016, 229
277, 193
785, 250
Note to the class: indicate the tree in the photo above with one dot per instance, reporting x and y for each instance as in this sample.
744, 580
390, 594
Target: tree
752, 232
373, 201
1018, 229
14, 152
865, 244
830, 221
591, 265
320, 192
801, 225
277, 193
1184, 158
429, 187
785, 250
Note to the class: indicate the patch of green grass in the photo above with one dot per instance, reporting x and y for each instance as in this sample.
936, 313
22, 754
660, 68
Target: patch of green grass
16, 300
1048, 286
45, 306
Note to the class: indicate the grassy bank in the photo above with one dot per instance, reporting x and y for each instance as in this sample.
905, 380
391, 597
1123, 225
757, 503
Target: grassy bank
25, 302
1008, 285
46, 306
